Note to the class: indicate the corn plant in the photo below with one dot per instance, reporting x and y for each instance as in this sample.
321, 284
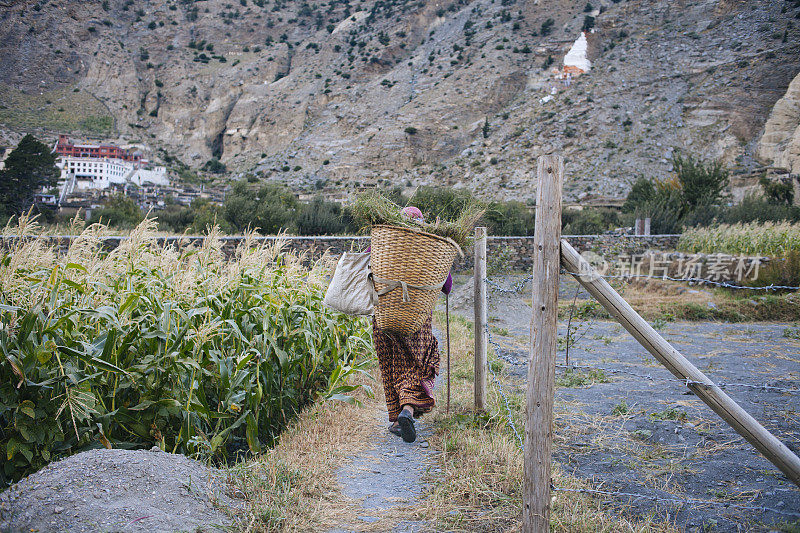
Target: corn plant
150, 345
774, 239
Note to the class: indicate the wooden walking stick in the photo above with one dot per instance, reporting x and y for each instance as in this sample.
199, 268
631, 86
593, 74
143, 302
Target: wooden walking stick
447, 315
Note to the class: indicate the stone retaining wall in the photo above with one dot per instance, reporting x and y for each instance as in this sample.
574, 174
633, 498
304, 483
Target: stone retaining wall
505, 254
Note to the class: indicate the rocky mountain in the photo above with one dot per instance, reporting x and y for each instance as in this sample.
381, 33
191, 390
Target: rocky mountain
341, 93
780, 143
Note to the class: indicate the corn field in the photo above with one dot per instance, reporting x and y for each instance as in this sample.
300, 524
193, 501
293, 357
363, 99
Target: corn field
147, 345
767, 239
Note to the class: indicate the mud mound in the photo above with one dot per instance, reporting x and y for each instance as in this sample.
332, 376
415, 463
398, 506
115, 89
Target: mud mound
118, 490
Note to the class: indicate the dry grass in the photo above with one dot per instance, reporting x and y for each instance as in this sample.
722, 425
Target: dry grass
293, 486
658, 300
480, 487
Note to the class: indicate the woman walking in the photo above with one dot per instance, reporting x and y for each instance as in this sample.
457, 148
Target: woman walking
409, 365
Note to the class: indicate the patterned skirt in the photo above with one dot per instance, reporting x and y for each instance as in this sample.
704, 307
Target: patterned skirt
408, 364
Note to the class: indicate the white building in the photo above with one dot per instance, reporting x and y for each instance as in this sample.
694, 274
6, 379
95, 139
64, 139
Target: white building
82, 173
155, 176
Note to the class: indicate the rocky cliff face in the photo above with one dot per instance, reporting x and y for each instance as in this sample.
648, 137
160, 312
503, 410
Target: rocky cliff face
780, 144
347, 92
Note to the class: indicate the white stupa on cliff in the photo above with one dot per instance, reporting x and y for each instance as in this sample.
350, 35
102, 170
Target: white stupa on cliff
576, 57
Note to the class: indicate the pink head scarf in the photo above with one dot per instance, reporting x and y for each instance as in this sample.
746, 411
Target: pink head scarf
413, 213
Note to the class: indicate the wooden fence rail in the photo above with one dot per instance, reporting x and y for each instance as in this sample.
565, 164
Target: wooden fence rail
550, 253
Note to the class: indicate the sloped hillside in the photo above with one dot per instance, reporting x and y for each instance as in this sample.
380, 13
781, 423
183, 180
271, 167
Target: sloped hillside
346, 92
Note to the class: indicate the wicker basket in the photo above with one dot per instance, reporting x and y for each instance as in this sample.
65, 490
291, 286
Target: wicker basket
416, 258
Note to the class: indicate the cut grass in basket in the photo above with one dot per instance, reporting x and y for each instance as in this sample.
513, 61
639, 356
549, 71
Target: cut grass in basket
372, 208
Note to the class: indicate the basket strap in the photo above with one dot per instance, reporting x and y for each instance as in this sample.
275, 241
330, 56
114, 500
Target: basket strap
392, 285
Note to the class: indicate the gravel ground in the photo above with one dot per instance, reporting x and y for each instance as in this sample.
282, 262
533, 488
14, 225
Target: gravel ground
118, 490
646, 434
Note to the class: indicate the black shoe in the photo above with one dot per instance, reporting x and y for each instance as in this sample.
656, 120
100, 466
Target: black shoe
395, 430
407, 430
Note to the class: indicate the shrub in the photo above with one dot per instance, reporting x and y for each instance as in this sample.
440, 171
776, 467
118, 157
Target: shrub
411, 130
780, 192
642, 192
214, 166
754, 208
149, 345
320, 218
692, 197
272, 208
701, 183
120, 212
589, 221
547, 27
509, 218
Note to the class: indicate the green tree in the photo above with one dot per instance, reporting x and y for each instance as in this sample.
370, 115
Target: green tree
320, 218
120, 212
206, 214
779, 192
271, 208
509, 218
642, 192
701, 183
28, 168
666, 209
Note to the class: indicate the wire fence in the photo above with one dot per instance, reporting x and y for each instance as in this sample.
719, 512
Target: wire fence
688, 504
632, 496
507, 356
519, 285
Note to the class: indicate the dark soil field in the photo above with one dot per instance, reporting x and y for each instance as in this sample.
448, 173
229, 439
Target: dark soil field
625, 423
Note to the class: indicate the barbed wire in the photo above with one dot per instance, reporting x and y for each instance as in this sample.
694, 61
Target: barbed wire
698, 281
502, 393
513, 289
504, 354
683, 501
507, 356
518, 286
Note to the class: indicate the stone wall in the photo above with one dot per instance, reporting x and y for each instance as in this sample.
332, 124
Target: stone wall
505, 254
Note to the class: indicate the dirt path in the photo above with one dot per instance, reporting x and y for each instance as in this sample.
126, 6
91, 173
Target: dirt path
633, 428
387, 479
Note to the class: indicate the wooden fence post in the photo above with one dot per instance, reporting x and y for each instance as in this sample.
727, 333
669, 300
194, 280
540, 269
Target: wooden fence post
544, 337
481, 338
705, 389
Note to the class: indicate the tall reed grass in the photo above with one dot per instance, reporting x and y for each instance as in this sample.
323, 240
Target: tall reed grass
150, 345
773, 239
